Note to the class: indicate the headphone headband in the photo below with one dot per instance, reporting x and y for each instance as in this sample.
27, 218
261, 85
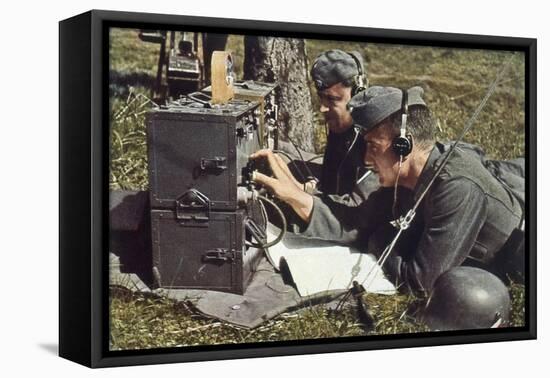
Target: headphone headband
360, 81
404, 112
402, 144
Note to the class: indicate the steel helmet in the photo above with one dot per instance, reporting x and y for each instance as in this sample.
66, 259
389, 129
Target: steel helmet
467, 298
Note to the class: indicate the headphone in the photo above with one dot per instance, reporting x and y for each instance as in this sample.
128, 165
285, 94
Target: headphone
360, 81
402, 145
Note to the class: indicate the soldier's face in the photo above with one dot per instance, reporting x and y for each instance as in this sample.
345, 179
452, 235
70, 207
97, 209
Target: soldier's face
379, 155
333, 107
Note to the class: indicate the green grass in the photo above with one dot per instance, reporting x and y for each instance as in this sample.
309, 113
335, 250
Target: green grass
142, 322
128, 141
454, 81
139, 322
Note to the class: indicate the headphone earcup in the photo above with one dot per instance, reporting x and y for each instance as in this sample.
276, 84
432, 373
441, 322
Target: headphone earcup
356, 89
402, 146
358, 86
359, 83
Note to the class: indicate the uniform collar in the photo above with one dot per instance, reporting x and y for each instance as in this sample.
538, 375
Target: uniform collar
346, 135
429, 169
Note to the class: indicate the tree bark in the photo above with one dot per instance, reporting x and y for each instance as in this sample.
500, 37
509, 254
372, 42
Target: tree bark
211, 42
284, 60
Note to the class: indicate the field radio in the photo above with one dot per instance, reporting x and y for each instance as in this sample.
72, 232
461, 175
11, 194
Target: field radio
205, 218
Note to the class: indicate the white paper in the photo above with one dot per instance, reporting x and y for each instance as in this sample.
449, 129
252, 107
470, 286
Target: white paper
318, 266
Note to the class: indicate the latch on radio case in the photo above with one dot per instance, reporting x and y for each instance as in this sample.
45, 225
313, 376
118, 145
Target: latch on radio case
193, 208
216, 164
219, 255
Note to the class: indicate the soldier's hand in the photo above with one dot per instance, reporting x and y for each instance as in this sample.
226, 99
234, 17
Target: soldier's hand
283, 185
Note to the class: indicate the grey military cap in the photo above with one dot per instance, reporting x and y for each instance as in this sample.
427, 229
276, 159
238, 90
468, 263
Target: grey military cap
370, 107
334, 66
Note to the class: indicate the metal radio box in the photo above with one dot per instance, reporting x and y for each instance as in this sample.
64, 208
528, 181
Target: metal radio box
195, 144
208, 254
267, 95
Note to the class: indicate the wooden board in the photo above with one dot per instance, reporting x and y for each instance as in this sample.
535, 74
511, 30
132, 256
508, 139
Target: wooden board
222, 77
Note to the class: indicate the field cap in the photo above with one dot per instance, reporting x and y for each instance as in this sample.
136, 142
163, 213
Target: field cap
334, 66
370, 107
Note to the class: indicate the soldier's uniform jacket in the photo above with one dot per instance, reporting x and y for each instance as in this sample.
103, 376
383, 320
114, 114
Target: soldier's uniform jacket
341, 168
465, 218
341, 162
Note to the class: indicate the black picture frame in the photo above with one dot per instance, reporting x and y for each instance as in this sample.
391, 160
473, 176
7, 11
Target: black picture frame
84, 165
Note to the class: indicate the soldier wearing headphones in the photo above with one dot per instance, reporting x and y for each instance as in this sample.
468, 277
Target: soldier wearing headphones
467, 217
338, 75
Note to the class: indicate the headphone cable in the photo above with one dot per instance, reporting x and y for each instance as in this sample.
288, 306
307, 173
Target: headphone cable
301, 156
283, 225
394, 206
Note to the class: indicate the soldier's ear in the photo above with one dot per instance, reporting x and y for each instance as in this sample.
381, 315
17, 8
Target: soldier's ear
411, 140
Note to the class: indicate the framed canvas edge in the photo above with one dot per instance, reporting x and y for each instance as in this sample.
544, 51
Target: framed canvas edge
75, 268
98, 321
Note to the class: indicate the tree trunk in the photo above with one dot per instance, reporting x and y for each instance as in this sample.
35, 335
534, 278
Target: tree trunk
211, 42
284, 60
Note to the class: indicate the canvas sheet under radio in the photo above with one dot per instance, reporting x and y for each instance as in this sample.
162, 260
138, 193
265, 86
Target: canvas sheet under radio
266, 297
320, 272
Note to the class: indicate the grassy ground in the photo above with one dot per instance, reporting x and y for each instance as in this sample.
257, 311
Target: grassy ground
140, 322
454, 81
